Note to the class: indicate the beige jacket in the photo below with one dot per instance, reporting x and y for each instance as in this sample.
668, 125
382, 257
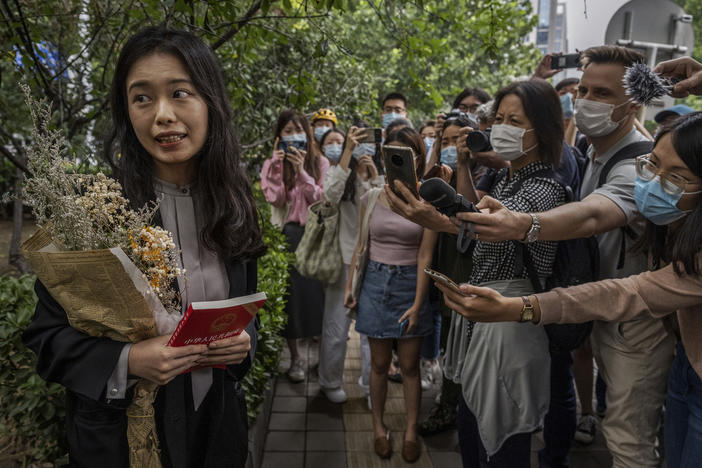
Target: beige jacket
656, 293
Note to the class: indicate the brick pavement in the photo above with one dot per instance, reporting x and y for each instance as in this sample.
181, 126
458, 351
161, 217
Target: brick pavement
305, 430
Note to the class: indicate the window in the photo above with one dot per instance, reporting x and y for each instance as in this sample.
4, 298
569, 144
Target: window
544, 13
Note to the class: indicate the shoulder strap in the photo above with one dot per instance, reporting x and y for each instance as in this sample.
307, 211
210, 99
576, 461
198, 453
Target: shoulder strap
373, 195
630, 151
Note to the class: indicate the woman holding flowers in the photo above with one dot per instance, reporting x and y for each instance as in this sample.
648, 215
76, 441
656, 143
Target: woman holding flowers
172, 127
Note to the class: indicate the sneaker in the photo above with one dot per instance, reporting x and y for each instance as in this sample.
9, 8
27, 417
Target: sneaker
442, 418
427, 378
296, 373
335, 395
585, 432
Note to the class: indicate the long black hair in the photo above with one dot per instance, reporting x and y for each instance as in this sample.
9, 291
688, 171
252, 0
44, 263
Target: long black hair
682, 246
542, 107
231, 222
311, 164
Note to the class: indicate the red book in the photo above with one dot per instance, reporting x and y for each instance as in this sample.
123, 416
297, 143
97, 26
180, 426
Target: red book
209, 321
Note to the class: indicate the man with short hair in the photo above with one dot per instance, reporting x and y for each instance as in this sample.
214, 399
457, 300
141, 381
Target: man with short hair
469, 100
567, 85
393, 106
634, 356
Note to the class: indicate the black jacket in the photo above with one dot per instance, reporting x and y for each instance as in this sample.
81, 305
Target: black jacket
214, 436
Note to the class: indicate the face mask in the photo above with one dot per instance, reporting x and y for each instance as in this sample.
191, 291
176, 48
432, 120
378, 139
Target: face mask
507, 141
567, 105
449, 156
388, 118
333, 152
594, 119
319, 132
299, 137
657, 205
428, 144
363, 149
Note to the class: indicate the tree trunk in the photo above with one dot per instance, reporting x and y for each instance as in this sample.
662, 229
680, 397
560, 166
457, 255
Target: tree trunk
16, 258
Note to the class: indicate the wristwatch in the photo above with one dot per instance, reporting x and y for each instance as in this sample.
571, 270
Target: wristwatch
532, 234
527, 310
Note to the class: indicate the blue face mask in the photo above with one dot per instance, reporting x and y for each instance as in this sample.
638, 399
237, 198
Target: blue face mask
449, 156
333, 152
319, 132
298, 137
428, 144
657, 205
567, 105
388, 118
364, 148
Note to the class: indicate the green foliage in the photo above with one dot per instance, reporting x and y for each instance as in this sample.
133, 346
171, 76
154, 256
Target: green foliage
32, 410
273, 278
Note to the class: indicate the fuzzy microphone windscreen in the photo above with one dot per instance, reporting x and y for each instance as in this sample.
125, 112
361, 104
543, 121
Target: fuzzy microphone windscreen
643, 85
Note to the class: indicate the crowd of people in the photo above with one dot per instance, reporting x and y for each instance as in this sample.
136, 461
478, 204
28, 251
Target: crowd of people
544, 165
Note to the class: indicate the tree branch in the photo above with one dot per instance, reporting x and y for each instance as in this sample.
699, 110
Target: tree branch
255, 6
13, 159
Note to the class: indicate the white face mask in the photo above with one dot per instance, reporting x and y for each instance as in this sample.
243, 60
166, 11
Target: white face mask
594, 118
506, 140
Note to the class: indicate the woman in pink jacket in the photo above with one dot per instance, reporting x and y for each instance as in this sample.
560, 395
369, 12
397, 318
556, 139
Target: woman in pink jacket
668, 192
291, 181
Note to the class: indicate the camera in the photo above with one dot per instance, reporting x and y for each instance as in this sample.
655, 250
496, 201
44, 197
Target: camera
559, 62
478, 141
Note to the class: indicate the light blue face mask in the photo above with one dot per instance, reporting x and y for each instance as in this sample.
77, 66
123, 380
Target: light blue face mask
362, 149
319, 132
428, 145
301, 137
567, 105
449, 156
657, 205
388, 118
333, 152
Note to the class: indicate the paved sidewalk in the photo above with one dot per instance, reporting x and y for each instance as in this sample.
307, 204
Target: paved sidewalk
307, 431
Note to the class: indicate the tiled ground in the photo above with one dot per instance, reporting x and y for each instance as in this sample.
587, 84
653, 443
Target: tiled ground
307, 431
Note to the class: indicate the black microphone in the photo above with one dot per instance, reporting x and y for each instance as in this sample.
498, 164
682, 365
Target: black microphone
444, 197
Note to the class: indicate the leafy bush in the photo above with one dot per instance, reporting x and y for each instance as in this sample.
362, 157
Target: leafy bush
32, 411
273, 279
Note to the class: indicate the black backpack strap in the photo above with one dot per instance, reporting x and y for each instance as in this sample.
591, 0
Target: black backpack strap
628, 152
523, 259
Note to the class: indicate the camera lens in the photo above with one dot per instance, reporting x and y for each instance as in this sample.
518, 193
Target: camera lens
478, 141
397, 160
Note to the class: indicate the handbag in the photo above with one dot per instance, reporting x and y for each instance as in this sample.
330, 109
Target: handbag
318, 256
364, 247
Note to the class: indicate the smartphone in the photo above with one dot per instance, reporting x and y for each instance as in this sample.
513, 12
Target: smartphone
403, 327
286, 145
372, 135
443, 279
565, 61
399, 165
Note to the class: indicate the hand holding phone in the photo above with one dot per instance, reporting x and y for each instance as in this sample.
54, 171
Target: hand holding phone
559, 62
399, 165
443, 279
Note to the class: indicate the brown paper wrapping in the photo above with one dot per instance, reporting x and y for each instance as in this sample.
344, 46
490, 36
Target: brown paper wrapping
100, 299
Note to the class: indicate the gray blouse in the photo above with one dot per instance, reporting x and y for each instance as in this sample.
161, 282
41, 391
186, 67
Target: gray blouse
205, 275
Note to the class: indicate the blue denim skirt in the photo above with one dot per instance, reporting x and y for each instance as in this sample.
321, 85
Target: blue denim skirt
387, 292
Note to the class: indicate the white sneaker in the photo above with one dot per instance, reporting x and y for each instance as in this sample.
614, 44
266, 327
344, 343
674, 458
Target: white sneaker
364, 387
335, 395
296, 373
427, 377
585, 432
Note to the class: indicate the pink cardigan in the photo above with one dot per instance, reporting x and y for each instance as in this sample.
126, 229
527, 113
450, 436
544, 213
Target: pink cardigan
656, 293
305, 191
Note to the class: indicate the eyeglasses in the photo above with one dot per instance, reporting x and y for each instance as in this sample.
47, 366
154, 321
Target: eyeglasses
465, 108
397, 110
672, 183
